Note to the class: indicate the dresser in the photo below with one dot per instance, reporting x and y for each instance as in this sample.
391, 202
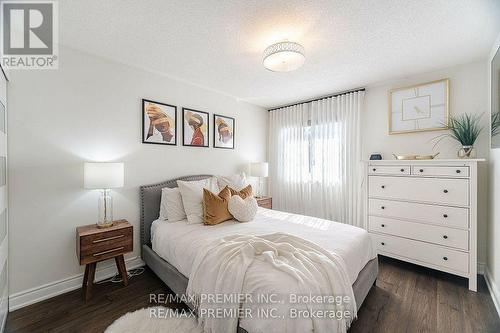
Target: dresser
425, 212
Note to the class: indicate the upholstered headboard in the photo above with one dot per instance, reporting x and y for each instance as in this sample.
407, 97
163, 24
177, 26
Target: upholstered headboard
150, 203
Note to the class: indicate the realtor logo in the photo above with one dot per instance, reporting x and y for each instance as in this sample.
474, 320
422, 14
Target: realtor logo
29, 34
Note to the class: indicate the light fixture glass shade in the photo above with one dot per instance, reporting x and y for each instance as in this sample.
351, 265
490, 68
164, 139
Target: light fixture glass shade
103, 175
284, 57
260, 169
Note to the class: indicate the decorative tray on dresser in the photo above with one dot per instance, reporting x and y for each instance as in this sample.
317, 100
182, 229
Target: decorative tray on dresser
425, 212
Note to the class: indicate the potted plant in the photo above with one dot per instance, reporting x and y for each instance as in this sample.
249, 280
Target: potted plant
465, 129
495, 124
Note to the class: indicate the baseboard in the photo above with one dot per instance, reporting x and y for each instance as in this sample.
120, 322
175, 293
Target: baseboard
37, 294
493, 288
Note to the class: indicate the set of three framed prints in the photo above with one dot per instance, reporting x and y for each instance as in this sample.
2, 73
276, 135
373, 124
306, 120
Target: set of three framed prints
159, 126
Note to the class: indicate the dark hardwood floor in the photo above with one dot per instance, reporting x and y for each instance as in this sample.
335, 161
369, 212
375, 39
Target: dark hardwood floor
407, 298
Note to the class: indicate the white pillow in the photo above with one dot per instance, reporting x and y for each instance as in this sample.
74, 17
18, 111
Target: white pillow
243, 210
236, 182
171, 207
192, 197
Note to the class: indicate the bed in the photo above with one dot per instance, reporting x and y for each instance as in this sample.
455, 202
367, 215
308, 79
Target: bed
169, 255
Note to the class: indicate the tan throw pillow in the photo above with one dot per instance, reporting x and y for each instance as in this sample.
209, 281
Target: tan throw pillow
215, 209
243, 193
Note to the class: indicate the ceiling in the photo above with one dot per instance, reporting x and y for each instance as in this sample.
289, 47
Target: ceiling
218, 44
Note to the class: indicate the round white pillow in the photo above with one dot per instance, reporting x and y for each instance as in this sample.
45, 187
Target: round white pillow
243, 210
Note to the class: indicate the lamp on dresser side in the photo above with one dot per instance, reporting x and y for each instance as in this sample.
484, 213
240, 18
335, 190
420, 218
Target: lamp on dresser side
259, 170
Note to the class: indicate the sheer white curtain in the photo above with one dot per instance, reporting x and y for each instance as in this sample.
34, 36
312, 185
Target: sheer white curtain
315, 158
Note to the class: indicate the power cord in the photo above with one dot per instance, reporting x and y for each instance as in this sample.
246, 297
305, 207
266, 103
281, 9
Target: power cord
118, 279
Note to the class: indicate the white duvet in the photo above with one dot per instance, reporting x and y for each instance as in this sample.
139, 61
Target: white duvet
179, 243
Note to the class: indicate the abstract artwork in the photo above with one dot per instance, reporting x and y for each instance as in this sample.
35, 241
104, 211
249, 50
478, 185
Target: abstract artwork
423, 107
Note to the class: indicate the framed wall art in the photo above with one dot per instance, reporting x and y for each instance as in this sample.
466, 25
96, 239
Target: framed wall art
159, 123
195, 128
223, 131
422, 107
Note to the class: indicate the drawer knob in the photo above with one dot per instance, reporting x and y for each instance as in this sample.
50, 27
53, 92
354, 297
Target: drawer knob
458, 171
382, 243
445, 237
445, 215
445, 191
383, 207
382, 225
374, 169
445, 258
383, 186
421, 170
402, 170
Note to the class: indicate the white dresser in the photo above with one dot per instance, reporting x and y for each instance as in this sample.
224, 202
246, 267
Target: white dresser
425, 212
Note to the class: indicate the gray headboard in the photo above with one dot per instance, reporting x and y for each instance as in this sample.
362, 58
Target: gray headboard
150, 203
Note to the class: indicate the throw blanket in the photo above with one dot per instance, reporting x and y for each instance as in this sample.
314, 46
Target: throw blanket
221, 267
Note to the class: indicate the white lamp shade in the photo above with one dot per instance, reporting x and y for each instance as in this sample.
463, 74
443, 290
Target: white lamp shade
103, 175
260, 169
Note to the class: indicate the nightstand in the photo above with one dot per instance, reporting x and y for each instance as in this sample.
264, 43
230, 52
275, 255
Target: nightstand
265, 202
94, 244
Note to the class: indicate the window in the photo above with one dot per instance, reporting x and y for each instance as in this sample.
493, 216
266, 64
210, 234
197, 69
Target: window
310, 154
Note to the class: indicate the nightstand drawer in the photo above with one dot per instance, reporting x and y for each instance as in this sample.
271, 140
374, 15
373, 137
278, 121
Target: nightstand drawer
104, 245
265, 202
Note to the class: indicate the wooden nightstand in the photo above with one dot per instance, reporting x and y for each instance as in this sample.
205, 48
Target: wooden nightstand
94, 245
265, 202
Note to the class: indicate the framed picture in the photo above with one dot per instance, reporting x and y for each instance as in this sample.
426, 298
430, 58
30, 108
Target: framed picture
159, 123
423, 107
195, 128
223, 132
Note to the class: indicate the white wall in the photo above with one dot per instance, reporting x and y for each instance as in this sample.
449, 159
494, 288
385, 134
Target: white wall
90, 109
468, 93
493, 271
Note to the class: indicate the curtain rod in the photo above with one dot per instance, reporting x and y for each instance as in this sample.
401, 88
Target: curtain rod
319, 98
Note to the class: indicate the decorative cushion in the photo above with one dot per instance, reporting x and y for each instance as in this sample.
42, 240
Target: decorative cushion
243, 210
192, 197
171, 207
237, 181
215, 208
243, 193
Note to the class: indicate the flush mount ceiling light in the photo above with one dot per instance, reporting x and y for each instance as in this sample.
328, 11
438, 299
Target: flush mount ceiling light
284, 57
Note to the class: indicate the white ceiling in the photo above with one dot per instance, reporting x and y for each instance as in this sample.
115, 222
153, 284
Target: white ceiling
218, 44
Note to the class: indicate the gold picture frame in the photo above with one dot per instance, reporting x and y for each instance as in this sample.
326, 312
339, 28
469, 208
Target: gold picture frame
425, 101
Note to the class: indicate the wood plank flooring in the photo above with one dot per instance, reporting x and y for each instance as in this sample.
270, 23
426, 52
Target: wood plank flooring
407, 298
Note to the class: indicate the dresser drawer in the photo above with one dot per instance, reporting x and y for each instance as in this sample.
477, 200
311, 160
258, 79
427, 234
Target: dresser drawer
96, 247
422, 252
389, 169
453, 217
432, 190
445, 171
428, 233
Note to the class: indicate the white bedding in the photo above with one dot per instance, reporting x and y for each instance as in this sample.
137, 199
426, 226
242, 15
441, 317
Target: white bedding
179, 243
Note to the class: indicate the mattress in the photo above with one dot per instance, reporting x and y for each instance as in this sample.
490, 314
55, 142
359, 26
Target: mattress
179, 242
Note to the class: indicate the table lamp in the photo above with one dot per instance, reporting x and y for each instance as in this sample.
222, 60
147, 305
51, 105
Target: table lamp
104, 176
260, 170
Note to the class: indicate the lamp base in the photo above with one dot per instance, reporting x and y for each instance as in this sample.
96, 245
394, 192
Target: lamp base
104, 225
